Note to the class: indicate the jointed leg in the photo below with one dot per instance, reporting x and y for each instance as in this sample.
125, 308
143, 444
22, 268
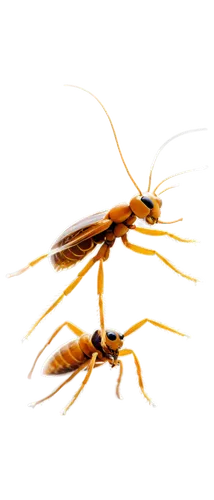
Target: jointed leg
100, 288
157, 232
72, 327
103, 253
146, 251
119, 379
91, 364
155, 323
31, 264
125, 352
61, 385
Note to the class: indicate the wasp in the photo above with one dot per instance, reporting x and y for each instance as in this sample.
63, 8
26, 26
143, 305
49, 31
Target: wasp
92, 351
104, 228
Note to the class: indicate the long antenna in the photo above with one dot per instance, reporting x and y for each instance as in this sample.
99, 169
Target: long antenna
113, 129
166, 184
160, 149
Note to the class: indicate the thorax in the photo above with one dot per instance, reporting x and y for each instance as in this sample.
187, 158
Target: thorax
123, 219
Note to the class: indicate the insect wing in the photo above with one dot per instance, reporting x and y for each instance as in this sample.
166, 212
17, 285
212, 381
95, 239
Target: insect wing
64, 241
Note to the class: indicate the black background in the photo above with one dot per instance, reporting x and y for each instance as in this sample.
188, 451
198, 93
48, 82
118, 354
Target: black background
64, 162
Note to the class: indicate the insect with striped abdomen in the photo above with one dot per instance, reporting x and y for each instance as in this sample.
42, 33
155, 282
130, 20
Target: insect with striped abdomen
104, 228
92, 351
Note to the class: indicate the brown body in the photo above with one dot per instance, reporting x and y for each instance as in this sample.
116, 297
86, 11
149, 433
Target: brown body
77, 352
71, 256
121, 219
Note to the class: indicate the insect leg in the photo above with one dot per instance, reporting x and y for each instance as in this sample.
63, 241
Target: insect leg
31, 264
138, 325
147, 251
125, 352
100, 288
103, 253
119, 379
72, 327
91, 364
155, 232
61, 385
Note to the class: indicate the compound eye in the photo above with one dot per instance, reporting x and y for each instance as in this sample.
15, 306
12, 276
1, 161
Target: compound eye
147, 202
111, 335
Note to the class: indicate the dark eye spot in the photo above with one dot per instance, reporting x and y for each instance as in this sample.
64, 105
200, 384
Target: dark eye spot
147, 202
121, 337
111, 336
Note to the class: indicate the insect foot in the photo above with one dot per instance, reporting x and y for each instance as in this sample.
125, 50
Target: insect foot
60, 413
15, 274
32, 404
29, 376
154, 404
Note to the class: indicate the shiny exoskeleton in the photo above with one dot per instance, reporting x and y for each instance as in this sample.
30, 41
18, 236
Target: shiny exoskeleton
77, 352
119, 220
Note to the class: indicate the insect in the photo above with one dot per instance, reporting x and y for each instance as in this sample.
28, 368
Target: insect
103, 228
92, 351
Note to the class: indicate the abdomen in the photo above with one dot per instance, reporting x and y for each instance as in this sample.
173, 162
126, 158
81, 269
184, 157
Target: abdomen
68, 258
71, 256
67, 359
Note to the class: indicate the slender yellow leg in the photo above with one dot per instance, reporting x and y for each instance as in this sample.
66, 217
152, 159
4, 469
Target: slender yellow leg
72, 327
125, 352
157, 232
31, 264
119, 379
102, 254
91, 364
100, 289
155, 323
146, 251
61, 385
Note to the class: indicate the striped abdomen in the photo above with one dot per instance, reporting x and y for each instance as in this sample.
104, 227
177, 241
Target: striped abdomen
65, 359
72, 255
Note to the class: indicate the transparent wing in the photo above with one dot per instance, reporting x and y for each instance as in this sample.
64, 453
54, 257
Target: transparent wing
78, 231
